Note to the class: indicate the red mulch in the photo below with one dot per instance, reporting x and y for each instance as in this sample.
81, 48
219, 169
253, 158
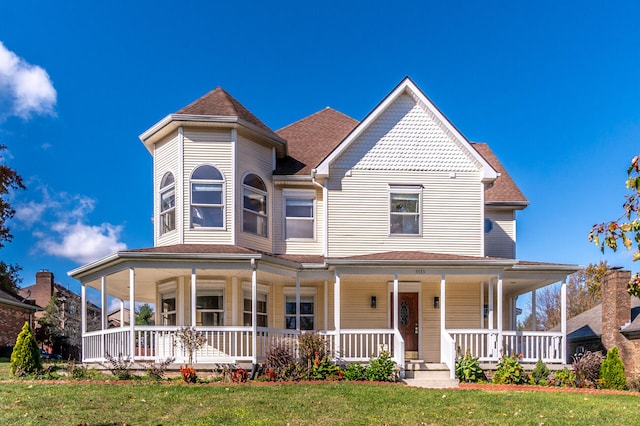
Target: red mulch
503, 388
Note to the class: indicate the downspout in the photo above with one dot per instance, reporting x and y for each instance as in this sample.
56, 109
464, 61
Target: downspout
325, 213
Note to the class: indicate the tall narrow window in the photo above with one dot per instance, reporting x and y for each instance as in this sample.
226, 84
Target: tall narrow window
261, 311
168, 308
404, 211
307, 312
167, 203
207, 205
299, 216
254, 206
210, 306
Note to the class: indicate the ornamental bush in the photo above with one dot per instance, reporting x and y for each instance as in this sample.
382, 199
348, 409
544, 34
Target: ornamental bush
468, 369
587, 368
509, 371
612, 371
540, 373
25, 358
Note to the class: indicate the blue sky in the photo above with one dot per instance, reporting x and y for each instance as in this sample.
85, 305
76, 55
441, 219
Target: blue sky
552, 87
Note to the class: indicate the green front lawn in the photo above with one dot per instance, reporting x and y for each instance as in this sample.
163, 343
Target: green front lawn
32, 402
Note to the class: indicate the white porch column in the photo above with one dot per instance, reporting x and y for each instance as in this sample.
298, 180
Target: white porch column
103, 300
103, 313
122, 313
443, 304
193, 297
336, 314
563, 319
491, 308
500, 315
234, 302
326, 305
132, 304
482, 305
254, 311
297, 303
534, 316
83, 315
396, 322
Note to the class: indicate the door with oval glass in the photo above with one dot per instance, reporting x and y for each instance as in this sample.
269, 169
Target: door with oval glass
408, 323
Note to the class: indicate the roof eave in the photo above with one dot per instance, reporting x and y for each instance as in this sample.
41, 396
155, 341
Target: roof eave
430, 263
173, 121
517, 205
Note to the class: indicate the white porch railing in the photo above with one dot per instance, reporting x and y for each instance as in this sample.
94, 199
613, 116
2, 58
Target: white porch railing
230, 344
360, 345
448, 353
490, 345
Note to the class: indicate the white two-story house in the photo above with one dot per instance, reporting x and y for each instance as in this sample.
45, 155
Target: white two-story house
394, 233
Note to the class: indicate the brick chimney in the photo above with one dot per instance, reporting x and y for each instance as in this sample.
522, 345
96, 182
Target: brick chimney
43, 289
616, 312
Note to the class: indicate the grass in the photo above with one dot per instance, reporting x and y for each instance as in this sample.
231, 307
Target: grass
33, 402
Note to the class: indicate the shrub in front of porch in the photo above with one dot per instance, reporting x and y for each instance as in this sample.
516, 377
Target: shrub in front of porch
468, 369
540, 374
510, 371
587, 368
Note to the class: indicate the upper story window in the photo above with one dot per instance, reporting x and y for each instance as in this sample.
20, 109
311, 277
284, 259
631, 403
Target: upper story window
299, 214
254, 206
207, 205
167, 203
404, 210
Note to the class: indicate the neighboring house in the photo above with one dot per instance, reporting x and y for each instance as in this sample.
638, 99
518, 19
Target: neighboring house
614, 322
14, 312
69, 312
118, 317
394, 233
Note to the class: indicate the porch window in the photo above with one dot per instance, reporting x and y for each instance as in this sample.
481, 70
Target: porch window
404, 210
167, 203
207, 205
299, 215
168, 308
254, 206
307, 312
261, 309
210, 307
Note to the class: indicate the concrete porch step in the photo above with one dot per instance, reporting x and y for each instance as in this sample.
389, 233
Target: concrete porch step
428, 375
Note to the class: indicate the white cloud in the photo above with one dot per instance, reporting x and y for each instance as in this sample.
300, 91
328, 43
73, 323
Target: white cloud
25, 89
83, 243
59, 223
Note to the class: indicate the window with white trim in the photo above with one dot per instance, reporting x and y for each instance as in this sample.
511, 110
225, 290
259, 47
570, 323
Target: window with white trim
299, 212
254, 205
207, 200
404, 210
261, 309
168, 307
167, 203
210, 306
307, 311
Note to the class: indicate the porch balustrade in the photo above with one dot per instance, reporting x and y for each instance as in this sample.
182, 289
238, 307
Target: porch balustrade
490, 345
231, 344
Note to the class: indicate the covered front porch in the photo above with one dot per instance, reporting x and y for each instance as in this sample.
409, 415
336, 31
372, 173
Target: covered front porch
245, 302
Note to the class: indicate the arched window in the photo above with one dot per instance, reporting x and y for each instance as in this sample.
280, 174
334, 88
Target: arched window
167, 203
207, 205
254, 206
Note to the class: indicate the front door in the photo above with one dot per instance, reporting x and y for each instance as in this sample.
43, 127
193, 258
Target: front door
408, 322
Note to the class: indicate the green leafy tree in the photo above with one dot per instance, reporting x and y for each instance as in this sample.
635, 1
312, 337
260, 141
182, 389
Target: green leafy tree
612, 371
144, 313
10, 276
25, 358
625, 229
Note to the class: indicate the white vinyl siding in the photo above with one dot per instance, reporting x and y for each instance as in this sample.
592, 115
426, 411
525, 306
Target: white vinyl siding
254, 158
212, 147
500, 240
166, 159
451, 215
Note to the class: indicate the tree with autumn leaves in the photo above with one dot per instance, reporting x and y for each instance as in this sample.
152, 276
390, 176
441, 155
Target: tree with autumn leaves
626, 229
